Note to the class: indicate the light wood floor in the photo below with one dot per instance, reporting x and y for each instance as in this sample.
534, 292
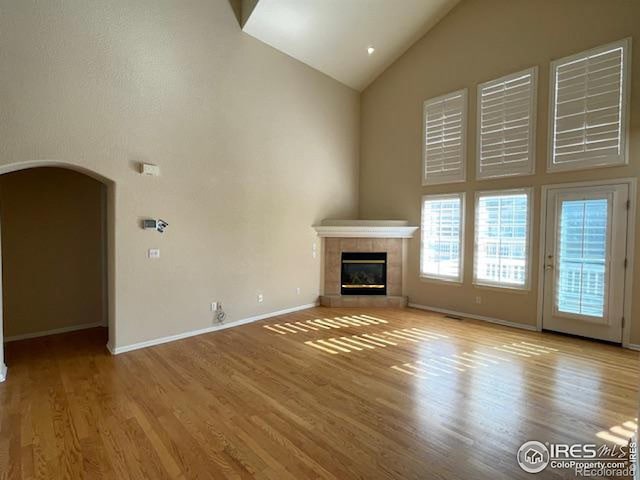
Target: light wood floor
398, 394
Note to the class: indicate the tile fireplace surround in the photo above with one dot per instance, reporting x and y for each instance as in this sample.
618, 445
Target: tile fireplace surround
363, 236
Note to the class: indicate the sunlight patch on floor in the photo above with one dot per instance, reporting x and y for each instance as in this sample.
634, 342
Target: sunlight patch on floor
461, 362
371, 341
525, 349
620, 434
319, 324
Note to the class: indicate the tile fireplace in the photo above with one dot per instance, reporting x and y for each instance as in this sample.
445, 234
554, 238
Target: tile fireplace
363, 262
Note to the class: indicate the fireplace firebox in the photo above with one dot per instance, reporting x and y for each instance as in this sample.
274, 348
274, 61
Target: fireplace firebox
364, 273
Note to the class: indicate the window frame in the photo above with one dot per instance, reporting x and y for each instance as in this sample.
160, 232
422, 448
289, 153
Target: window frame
622, 158
442, 278
533, 71
529, 192
462, 177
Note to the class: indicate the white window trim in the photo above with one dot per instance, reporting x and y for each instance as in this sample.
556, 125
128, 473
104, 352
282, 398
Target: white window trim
529, 191
441, 278
463, 176
624, 111
532, 127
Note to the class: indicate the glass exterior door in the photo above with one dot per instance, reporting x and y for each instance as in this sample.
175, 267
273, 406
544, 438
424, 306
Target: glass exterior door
585, 261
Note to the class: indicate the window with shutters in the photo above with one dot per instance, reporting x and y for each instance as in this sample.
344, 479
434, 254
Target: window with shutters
444, 139
442, 233
506, 125
589, 103
502, 238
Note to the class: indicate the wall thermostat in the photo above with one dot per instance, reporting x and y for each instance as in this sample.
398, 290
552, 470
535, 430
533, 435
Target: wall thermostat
149, 224
152, 224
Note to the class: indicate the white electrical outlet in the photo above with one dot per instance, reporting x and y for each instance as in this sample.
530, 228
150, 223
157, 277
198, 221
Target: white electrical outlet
154, 253
260, 298
214, 306
478, 299
298, 291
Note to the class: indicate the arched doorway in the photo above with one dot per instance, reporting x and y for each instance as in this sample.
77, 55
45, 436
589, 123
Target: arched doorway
98, 306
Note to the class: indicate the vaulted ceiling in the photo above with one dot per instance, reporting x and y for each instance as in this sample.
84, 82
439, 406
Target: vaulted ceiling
335, 36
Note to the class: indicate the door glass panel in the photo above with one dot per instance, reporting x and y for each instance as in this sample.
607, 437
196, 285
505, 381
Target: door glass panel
582, 254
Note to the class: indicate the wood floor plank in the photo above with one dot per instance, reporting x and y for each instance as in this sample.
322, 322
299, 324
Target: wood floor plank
322, 393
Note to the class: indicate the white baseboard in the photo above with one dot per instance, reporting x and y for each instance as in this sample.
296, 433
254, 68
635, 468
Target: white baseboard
55, 331
632, 346
497, 321
193, 333
3, 372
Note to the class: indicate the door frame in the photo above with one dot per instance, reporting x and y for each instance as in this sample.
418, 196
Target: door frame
630, 250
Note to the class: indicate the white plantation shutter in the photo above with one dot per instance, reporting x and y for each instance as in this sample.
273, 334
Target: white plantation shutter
589, 96
444, 140
506, 125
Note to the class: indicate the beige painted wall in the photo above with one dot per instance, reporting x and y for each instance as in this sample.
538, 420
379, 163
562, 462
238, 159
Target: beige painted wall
238, 129
478, 41
52, 250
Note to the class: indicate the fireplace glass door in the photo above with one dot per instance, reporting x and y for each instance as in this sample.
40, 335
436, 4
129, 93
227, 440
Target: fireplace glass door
364, 273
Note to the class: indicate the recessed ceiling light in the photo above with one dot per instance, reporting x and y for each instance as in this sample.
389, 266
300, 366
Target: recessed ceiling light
370, 50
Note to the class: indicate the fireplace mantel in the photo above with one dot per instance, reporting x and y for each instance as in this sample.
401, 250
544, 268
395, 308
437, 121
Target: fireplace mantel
365, 229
